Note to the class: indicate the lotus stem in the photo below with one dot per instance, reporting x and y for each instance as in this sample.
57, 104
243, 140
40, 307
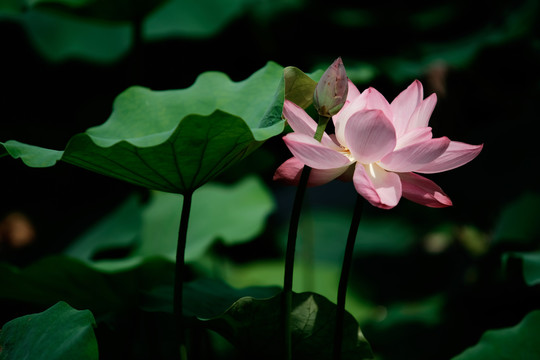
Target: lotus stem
289, 259
344, 278
291, 245
179, 274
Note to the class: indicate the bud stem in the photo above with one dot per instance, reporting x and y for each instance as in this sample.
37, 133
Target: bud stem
321, 126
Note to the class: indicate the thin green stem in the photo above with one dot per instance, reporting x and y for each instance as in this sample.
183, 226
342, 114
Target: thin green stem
291, 246
179, 274
344, 278
323, 121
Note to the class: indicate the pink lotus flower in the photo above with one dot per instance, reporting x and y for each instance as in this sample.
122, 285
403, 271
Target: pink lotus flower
379, 146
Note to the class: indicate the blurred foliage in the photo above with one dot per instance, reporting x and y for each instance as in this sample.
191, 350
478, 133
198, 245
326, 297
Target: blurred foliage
426, 284
105, 30
230, 214
518, 341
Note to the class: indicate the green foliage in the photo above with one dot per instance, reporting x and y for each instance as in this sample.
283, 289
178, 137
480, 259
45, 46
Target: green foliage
325, 230
176, 140
147, 286
102, 30
530, 265
299, 87
518, 221
252, 326
58, 333
60, 278
518, 342
232, 214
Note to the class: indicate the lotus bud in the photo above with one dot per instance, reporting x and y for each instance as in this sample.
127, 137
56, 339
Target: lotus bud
331, 91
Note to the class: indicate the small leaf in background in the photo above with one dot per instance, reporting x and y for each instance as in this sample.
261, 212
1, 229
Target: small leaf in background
59, 36
204, 298
100, 31
119, 229
175, 140
253, 326
530, 265
232, 214
319, 277
325, 231
518, 342
299, 87
52, 279
58, 333
518, 221
192, 19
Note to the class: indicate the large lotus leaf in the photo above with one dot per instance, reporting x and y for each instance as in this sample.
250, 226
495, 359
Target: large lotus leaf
518, 342
176, 140
58, 333
253, 326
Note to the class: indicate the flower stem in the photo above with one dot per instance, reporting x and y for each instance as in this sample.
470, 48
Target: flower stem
289, 259
179, 274
291, 246
323, 121
344, 278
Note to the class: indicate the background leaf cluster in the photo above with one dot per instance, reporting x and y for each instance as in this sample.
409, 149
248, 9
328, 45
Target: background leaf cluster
453, 279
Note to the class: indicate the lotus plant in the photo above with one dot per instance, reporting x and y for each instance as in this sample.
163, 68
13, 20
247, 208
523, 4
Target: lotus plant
380, 146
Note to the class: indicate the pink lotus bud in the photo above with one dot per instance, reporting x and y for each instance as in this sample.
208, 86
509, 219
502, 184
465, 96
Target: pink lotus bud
331, 91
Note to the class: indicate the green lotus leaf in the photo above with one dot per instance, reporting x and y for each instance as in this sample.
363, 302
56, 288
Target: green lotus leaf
252, 326
299, 87
148, 286
231, 214
175, 140
517, 342
194, 19
57, 333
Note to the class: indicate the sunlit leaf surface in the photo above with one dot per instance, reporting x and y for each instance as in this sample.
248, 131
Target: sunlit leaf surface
175, 140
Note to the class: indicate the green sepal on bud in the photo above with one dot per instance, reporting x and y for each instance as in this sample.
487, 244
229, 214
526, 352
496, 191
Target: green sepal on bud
331, 91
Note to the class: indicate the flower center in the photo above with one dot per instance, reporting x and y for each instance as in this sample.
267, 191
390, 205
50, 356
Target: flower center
345, 151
